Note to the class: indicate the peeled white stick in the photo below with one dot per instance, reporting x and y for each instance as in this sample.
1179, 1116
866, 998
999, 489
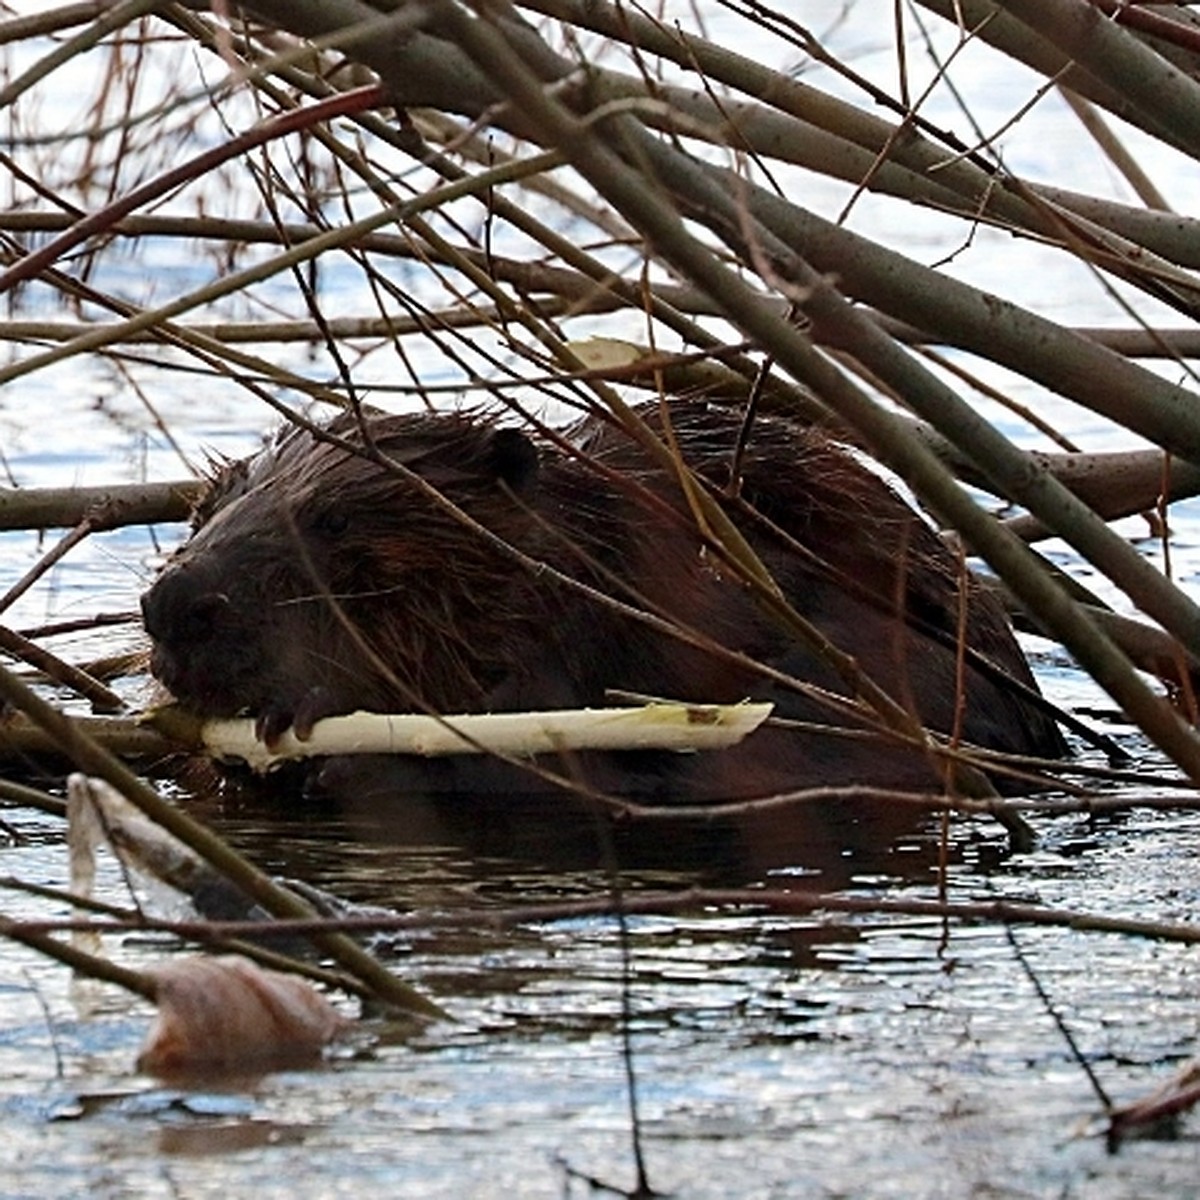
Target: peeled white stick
682, 727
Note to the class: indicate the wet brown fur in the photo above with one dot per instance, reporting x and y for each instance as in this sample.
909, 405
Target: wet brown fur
294, 547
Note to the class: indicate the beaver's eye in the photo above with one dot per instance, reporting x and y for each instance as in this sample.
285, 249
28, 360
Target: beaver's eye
332, 521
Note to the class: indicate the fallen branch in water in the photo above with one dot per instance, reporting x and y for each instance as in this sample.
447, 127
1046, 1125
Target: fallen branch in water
123, 736
690, 900
1161, 1107
277, 900
55, 668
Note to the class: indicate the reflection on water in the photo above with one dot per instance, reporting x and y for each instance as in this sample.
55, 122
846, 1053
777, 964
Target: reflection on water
873, 1056
833, 844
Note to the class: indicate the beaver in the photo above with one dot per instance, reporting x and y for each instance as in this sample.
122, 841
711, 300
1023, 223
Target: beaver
453, 563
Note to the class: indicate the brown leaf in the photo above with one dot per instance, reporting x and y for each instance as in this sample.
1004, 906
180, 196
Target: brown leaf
221, 1014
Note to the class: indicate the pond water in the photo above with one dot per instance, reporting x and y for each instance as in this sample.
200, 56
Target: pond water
866, 1056
824, 1055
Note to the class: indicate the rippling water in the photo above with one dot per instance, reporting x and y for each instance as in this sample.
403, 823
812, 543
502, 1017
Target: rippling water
824, 1055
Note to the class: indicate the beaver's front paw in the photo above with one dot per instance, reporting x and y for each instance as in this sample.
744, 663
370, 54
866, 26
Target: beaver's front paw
277, 718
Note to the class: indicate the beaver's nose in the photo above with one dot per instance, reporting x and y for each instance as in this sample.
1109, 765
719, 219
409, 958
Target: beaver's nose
178, 610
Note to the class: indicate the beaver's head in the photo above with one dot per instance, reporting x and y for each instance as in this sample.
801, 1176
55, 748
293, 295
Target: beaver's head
356, 573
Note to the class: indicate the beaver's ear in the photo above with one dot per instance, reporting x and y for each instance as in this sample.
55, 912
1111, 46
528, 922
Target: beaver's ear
513, 458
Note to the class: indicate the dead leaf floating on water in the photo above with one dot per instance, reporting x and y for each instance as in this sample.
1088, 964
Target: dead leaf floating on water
226, 1013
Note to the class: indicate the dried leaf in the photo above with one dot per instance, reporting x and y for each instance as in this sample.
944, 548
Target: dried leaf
227, 1013
604, 353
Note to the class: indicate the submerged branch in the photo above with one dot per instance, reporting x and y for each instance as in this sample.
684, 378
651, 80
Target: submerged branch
693, 900
94, 760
